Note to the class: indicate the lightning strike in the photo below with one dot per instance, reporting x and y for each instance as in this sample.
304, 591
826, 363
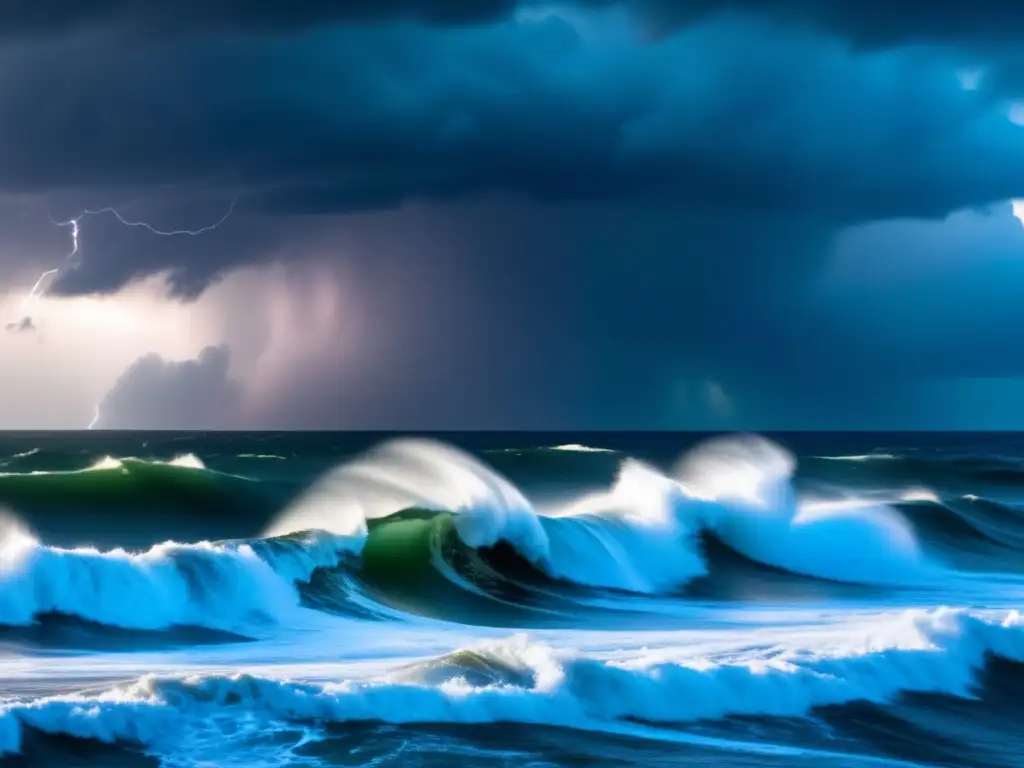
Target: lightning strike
38, 290
40, 285
147, 226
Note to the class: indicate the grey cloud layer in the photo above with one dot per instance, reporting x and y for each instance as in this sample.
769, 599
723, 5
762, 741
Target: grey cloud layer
155, 393
723, 115
870, 23
350, 119
680, 191
48, 17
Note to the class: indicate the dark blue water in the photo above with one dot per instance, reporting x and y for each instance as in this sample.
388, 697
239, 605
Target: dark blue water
514, 599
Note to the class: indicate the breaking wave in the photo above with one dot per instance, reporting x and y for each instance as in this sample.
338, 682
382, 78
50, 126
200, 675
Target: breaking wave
421, 528
643, 535
729, 601
230, 586
937, 653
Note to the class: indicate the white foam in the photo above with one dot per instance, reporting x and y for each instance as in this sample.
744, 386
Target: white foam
105, 464
186, 461
420, 473
109, 463
629, 538
939, 651
641, 535
753, 507
223, 586
632, 538
861, 457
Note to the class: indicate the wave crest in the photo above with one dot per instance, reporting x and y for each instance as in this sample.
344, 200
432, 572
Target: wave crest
640, 536
422, 474
645, 535
936, 652
231, 586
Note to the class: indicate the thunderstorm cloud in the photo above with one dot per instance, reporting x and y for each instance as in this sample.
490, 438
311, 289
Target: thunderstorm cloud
795, 212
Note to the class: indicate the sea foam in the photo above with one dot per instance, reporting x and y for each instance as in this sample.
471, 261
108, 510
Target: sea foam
938, 651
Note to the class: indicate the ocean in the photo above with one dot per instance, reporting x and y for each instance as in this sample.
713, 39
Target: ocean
511, 599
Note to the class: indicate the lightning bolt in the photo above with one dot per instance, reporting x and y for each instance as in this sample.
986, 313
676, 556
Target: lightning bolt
95, 418
39, 288
145, 225
40, 285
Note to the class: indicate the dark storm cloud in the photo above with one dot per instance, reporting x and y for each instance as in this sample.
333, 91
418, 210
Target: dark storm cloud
111, 253
869, 23
39, 17
349, 120
567, 225
866, 22
722, 116
154, 393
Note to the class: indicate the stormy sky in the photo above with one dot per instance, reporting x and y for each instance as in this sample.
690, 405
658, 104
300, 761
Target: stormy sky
511, 214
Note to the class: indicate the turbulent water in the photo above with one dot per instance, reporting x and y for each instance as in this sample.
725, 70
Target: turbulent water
513, 600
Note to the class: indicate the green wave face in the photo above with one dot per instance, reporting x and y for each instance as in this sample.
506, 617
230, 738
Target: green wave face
415, 562
138, 502
133, 482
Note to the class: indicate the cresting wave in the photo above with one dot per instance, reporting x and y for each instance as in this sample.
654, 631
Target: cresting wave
109, 463
230, 586
418, 504
643, 535
121, 481
107, 498
937, 652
